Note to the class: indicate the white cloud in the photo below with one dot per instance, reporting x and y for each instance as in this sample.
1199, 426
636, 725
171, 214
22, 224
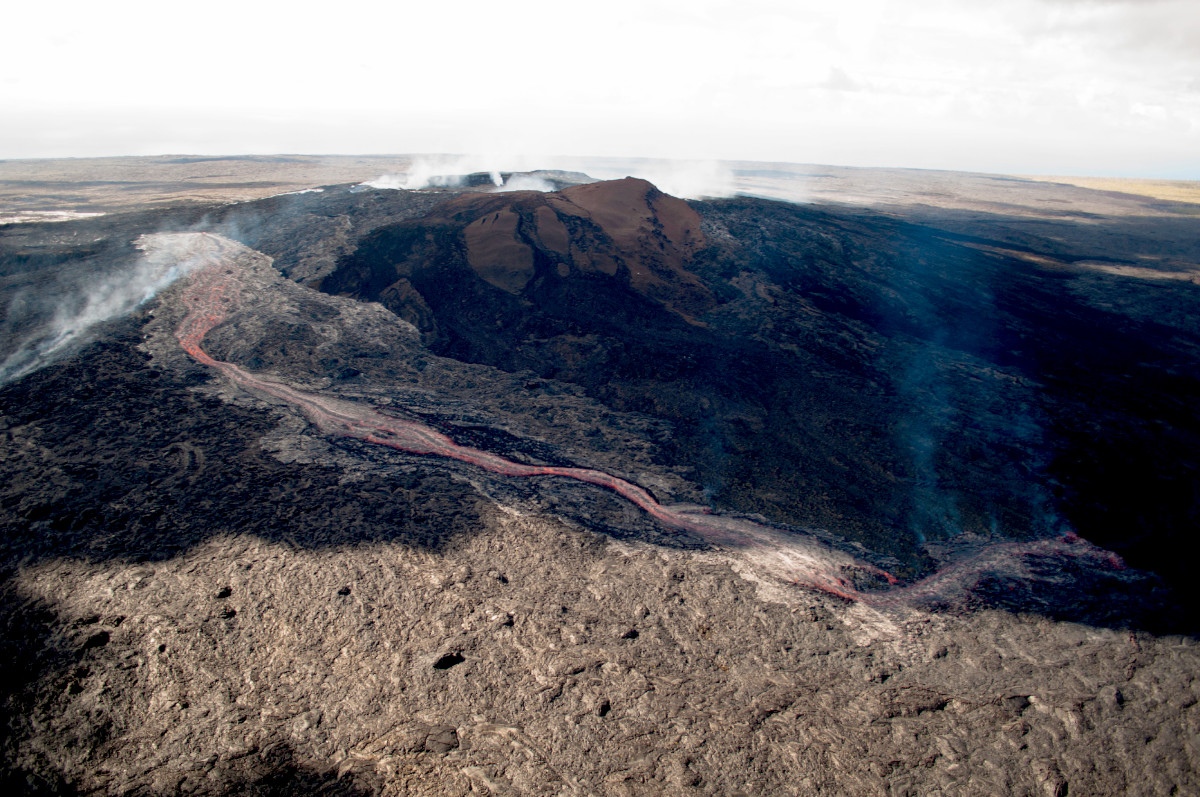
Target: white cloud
904, 83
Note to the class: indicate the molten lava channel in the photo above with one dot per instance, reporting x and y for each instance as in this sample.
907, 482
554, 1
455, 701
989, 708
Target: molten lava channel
211, 295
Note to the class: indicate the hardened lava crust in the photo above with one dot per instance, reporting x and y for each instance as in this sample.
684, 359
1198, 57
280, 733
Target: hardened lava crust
597, 490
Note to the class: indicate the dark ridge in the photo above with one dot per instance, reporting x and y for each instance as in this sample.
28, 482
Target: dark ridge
921, 377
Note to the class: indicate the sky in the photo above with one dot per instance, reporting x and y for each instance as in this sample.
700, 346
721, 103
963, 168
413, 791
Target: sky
1062, 87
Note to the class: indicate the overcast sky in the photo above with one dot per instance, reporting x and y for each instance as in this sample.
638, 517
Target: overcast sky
1106, 87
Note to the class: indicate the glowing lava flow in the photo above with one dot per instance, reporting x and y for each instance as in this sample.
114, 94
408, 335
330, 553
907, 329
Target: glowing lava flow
213, 293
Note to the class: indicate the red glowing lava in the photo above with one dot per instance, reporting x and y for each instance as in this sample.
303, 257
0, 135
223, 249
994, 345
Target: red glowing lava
212, 295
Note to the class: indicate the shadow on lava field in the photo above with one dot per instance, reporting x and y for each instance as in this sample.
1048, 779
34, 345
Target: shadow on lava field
108, 459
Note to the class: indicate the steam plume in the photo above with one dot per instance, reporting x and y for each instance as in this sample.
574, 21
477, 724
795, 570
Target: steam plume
82, 302
439, 171
688, 179
527, 182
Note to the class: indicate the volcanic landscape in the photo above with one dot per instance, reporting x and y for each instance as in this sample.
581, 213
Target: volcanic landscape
854, 482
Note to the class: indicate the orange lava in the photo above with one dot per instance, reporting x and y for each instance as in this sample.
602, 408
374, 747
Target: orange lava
212, 295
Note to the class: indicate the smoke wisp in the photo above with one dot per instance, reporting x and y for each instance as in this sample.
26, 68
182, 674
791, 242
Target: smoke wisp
438, 171
526, 182
42, 326
689, 179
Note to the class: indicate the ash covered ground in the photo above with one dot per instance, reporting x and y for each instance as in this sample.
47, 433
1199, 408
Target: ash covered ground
920, 479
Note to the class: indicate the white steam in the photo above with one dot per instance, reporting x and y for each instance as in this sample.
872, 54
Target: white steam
439, 171
527, 182
51, 330
690, 179
390, 182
